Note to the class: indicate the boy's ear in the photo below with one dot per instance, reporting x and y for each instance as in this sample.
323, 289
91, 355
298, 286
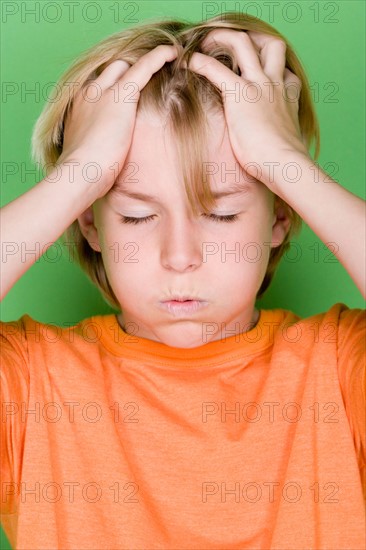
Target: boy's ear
281, 222
88, 229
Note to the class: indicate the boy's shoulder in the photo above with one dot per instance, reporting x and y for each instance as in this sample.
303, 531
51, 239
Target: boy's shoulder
338, 319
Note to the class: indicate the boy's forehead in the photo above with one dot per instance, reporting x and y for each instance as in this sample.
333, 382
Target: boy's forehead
151, 124
153, 153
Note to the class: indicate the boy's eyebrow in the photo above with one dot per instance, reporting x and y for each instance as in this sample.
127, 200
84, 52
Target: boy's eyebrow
233, 190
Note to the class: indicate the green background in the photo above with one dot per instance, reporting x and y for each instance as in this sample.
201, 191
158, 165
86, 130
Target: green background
329, 40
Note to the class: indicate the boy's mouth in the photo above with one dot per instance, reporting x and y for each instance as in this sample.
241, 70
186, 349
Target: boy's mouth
183, 307
177, 298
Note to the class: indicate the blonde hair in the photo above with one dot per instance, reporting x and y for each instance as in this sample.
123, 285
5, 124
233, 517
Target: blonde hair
185, 96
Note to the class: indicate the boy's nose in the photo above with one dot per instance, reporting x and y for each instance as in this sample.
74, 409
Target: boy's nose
181, 246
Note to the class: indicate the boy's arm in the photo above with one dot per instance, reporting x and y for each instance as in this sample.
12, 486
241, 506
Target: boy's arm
335, 214
36, 219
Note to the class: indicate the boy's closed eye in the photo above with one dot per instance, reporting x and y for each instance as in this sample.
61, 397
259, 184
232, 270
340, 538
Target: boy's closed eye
223, 218
229, 206
225, 211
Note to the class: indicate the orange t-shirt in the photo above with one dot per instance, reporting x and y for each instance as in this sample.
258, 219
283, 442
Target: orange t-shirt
256, 441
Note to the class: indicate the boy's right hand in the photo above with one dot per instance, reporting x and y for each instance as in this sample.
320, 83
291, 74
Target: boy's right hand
99, 129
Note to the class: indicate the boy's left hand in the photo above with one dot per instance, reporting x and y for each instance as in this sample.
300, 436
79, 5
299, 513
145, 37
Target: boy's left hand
262, 119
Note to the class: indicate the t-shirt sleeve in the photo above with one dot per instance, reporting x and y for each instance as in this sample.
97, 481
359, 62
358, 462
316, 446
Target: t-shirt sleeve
352, 376
14, 392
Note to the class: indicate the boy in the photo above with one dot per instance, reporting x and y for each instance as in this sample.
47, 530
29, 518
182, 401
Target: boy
190, 420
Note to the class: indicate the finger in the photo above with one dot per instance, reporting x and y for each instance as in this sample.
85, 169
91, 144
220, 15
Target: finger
112, 73
293, 87
243, 48
272, 51
214, 70
141, 72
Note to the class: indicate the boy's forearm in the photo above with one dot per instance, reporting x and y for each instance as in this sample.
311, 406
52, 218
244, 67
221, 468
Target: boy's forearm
335, 214
35, 220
